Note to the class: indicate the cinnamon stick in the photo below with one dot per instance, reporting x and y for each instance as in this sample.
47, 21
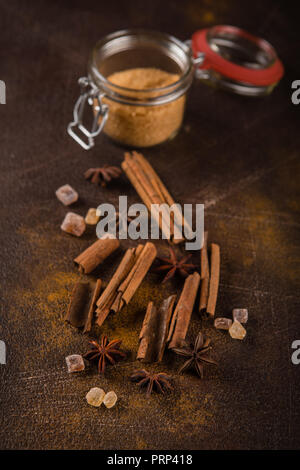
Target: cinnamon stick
152, 176
136, 184
204, 287
152, 191
147, 335
126, 280
214, 279
95, 254
183, 311
164, 316
154, 332
75, 313
82, 304
92, 305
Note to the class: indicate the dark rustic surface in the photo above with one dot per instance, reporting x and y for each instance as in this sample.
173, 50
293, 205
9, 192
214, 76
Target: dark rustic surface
239, 156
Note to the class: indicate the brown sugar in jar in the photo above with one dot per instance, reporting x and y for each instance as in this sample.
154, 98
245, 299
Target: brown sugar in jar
143, 126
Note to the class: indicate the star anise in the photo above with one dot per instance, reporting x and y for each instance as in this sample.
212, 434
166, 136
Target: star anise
102, 175
173, 265
158, 381
104, 352
196, 355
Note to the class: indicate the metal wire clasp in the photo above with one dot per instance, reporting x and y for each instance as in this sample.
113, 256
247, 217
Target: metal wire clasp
91, 94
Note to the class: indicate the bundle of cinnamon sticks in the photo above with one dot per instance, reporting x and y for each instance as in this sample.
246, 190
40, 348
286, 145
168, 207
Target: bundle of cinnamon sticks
169, 324
126, 280
86, 296
153, 192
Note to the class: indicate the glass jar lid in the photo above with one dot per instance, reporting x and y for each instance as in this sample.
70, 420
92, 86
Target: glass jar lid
236, 60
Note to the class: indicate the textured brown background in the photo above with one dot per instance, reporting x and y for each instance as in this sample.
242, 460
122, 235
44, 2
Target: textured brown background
239, 156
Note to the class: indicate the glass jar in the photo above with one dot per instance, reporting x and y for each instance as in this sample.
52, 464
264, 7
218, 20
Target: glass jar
223, 56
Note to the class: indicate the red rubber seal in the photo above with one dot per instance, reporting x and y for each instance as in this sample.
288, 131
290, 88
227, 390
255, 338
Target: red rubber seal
258, 77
